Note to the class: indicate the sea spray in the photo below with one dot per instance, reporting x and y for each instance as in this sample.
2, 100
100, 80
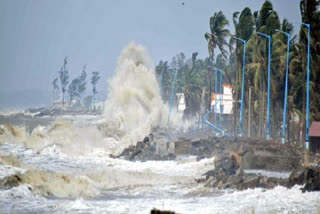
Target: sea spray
133, 107
134, 104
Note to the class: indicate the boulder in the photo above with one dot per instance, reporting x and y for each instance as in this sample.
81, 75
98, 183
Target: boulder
146, 150
252, 153
228, 165
229, 174
156, 211
10, 181
309, 177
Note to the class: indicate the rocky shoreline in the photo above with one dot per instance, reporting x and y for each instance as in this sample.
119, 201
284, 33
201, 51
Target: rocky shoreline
232, 157
228, 174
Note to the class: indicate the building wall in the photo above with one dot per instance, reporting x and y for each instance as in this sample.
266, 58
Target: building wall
222, 101
181, 102
315, 144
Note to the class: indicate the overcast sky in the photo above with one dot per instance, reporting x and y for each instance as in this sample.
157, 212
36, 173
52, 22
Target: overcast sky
36, 35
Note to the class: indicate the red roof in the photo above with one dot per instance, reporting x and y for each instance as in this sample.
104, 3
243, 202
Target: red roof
227, 85
314, 130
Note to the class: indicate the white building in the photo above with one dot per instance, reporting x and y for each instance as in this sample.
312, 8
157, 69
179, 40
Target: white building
181, 102
222, 101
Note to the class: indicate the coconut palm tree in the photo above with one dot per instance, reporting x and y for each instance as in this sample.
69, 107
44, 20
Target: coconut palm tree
266, 20
244, 27
192, 82
218, 34
310, 14
164, 76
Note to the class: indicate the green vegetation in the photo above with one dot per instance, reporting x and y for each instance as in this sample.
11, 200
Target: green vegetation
196, 82
77, 87
64, 78
94, 80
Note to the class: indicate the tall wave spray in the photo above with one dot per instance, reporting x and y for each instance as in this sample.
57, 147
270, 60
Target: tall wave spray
134, 104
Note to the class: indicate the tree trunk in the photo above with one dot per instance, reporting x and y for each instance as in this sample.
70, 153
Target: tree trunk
209, 74
302, 138
261, 106
63, 99
288, 129
202, 108
262, 110
236, 101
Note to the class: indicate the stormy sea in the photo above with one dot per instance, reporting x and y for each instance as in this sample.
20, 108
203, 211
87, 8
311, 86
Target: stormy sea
70, 163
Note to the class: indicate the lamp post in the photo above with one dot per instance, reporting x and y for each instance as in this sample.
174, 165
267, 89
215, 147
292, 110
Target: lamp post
242, 81
215, 91
306, 143
220, 100
268, 93
283, 137
171, 95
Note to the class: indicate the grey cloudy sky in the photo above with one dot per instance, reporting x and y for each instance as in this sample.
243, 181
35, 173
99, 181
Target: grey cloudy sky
36, 35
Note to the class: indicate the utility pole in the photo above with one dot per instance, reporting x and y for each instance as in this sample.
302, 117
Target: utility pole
283, 134
244, 42
249, 116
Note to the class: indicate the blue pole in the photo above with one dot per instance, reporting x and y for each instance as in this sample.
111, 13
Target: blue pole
171, 96
215, 92
268, 93
283, 137
242, 82
213, 126
220, 100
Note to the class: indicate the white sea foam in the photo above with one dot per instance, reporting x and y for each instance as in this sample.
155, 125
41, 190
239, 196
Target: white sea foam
69, 158
278, 200
137, 187
134, 104
8, 170
10, 111
133, 107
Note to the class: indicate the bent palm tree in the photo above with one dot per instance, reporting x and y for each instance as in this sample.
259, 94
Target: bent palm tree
218, 34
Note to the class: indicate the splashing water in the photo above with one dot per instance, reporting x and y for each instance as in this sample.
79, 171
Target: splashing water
134, 105
68, 159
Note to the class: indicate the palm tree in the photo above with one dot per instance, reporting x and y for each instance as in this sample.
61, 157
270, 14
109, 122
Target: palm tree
217, 38
244, 27
192, 82
164, 79
296, 95
266, 20
64, 78
310, 14
94, 80
218, 34
55, 88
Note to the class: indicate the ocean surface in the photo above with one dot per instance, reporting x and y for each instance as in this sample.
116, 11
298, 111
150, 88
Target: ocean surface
64, 165
76, 179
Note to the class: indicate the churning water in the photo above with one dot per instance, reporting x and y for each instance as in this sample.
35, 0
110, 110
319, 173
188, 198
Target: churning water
65, 167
